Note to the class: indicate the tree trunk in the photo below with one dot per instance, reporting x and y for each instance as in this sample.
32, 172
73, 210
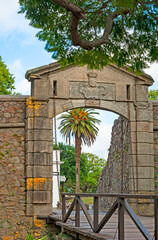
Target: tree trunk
78, 157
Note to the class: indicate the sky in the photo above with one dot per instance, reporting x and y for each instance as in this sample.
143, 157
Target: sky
21, 50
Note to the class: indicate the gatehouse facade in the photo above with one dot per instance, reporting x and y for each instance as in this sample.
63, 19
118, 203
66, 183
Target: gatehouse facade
27, 133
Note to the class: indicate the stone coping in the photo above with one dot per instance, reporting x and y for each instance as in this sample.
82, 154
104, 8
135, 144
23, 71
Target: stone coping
12, 125
9, 98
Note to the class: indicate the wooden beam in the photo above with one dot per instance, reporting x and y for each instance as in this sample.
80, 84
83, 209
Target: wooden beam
107, 216
136, 220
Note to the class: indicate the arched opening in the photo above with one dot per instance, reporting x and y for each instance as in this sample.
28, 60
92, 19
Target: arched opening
114, 149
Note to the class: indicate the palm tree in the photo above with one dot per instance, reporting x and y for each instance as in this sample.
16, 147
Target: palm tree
81, 124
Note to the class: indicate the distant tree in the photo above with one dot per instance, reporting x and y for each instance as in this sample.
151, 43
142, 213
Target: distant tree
97, 32
68, 169
94, 168
6, 80
90, 170
79, 123
153, 94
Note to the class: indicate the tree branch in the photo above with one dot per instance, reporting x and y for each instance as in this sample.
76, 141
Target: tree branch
71, 7
89, 45
77, 14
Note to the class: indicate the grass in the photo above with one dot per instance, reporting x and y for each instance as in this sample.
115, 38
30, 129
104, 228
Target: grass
88, 200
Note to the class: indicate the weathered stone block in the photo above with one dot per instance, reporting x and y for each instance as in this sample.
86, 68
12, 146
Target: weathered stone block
117, 107
42, 197
39, 135
92, 103
67, 106
143, 148
78, 103
151, 127
58, 104
41, 87
143, 126
133, 137
29, 147
29, 210
43, 146
37, 183
43, 184
143, 160
42, 209
39, 123
142, 172
121, 91
141, 93
42, 171
144, 137
104, 91
29, 159
43, 159
29, 123
146, 185
144, 115
29, 171
29, 197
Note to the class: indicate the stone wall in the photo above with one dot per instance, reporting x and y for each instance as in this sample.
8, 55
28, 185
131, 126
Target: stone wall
13, 221
115, 175
155, 116
112, 180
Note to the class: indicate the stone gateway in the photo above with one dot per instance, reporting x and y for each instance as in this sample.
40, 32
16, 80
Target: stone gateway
26, 134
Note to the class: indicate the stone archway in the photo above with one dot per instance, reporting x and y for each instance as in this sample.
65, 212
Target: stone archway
111, 89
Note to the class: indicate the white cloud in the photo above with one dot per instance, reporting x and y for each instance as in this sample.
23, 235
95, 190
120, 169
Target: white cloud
21, 84
23, 87
153, 71
102, 143
11, 21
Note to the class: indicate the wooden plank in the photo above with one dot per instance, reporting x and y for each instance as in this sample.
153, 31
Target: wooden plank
141, 196
156, 218
96, 213
120, 220
136, 220
109, 230
69, 210
77, 213
63, 208
85, 211
107, 216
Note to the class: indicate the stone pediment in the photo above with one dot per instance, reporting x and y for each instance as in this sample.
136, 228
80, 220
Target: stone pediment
55, 67
74, 82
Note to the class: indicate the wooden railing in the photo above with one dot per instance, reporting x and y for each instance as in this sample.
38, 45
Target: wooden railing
120, 203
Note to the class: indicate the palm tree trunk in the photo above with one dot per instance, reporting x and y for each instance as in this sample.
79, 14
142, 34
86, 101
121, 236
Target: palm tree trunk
78, 157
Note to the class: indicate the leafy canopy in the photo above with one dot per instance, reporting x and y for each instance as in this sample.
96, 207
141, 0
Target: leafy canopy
153, 94
90, 171
97, 32
6, 80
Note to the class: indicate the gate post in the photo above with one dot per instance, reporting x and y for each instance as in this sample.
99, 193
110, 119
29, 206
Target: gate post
142, 149
39, 159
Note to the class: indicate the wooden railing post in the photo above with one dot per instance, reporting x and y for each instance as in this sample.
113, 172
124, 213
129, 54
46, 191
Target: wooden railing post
120, 219
96, 213
156, 218
77, 215
63, 207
